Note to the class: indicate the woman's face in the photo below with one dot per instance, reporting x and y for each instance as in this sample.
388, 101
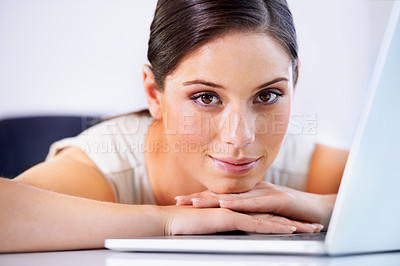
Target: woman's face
225, 110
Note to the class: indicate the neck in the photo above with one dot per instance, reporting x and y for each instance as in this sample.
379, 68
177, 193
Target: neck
167, 178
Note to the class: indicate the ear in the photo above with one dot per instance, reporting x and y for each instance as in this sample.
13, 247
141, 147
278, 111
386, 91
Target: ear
153, 95
297, 74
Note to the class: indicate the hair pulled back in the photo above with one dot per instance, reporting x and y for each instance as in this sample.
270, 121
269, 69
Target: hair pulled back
181, 26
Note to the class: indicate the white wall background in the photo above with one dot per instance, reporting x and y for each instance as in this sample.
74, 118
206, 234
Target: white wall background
339, 42
85, 57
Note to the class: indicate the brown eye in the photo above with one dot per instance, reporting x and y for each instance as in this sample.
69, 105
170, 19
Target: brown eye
265, 97
207, 98
268, 97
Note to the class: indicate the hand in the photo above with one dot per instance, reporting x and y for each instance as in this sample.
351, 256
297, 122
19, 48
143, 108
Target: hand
189, 220
268, 198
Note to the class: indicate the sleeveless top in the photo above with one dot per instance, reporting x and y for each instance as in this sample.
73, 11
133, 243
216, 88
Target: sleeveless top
117, 147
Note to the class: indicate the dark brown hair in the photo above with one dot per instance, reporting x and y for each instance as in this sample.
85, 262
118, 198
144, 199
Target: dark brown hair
181, 26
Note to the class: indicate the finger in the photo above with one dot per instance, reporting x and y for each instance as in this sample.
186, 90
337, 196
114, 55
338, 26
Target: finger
258, 225
268, 205
187, 200
202, 200
319, 228
209, 202
220, 220
257, 204
183, 200
302, 227
229, 221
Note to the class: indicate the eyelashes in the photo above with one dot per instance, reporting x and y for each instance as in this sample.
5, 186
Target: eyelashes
211, 99
205, 99
268, 96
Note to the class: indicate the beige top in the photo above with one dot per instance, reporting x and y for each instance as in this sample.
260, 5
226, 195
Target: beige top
117, 147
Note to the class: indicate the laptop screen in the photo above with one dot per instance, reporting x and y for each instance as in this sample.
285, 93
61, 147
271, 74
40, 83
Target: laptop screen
365, 217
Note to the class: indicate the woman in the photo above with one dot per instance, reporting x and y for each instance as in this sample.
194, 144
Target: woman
219, 91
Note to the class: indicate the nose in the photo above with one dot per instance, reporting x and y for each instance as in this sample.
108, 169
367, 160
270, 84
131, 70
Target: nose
237, 129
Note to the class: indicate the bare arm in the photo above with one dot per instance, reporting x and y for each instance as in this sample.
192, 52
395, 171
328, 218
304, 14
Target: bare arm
33, 219
65, 204
326, 169
70, 172
47, 208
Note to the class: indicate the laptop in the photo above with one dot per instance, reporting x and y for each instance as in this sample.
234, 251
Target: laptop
366, 216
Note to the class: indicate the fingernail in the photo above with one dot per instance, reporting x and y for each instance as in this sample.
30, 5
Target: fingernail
320, 227
313, 227
291, 228
224, 202
196, 200
179, 197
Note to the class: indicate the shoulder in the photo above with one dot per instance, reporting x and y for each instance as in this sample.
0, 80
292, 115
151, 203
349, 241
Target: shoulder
113, 145
116, 147
132, 125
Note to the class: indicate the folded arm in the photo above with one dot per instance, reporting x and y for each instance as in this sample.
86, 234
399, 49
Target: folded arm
68, 204
313, 206
33, 219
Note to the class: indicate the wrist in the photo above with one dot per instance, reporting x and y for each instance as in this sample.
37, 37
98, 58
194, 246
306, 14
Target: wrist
328, 202
146, 220
166, 218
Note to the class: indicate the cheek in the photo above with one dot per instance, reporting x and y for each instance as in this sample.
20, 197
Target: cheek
272, 126
271, 130
187, 129
275, 122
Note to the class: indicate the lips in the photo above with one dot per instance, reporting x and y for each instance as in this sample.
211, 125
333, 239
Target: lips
235, 166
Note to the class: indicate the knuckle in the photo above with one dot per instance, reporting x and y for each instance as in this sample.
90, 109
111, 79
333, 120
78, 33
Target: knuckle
224, 212
196, 195
255, 201
225, 219
286, 198
257, 204
269, 216
233, 195
258, 222
220, 214
208, 193
263, 226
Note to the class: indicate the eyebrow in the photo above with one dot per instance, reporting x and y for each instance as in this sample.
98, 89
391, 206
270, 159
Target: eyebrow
217, 86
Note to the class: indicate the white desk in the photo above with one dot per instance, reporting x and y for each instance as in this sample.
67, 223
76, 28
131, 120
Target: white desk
111, 258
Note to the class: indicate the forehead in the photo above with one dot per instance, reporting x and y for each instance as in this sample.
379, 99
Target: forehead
233, 57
